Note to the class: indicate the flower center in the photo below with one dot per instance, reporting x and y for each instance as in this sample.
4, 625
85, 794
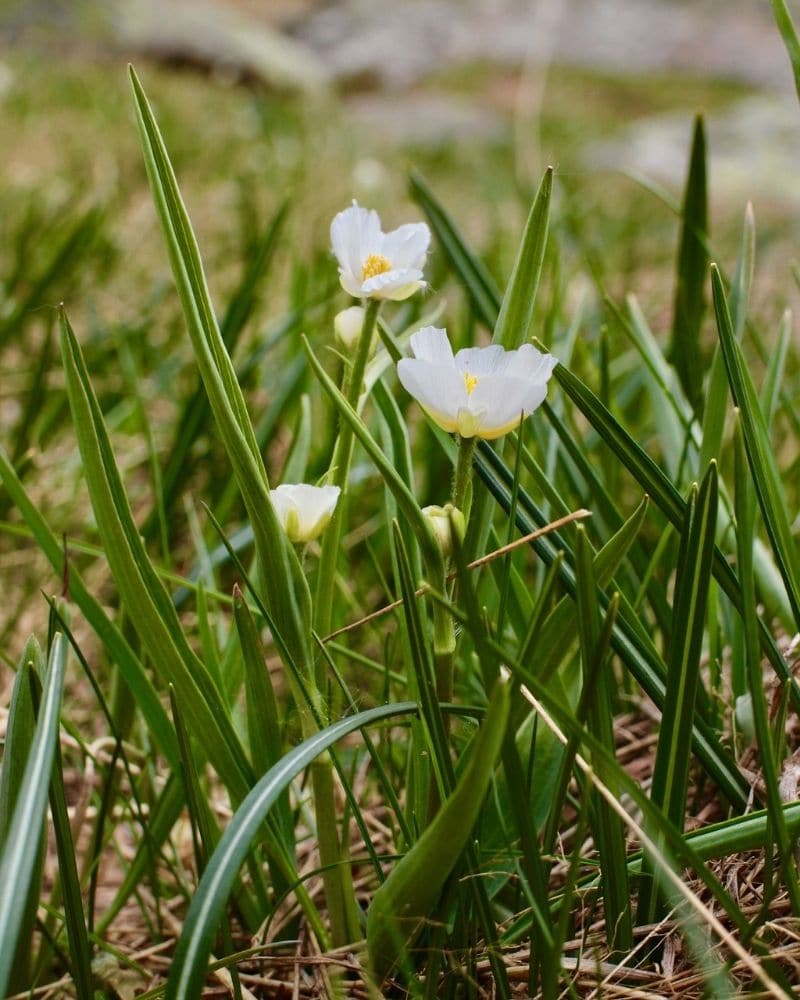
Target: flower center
470, 381
375, 264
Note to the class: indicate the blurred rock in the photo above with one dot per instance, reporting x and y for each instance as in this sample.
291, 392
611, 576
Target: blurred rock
232, 36
753, 147
219, 36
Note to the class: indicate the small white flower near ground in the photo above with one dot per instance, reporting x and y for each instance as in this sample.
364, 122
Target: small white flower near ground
304, 511
374, 264
481, 391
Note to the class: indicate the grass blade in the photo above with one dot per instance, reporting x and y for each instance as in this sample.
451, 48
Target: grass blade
188, 965
22, 844
689, 306
287, 590
516, 313
789, 34
673, 753
609, 835
745, 530
20, 728
760, 454
141, 589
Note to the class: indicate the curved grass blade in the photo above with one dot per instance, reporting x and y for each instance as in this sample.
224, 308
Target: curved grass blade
409, 894
196, 410
188, 965
516, 313
673, 753
760, 454
20, 848
687, 320
286, 587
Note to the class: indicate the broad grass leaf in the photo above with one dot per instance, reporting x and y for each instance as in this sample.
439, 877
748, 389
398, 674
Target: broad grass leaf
409, 894
191, 954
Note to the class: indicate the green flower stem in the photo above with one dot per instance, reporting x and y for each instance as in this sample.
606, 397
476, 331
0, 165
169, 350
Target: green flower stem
463, 473
336, 875
340, 469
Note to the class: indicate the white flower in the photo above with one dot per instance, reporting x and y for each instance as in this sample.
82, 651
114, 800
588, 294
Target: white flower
482, 391
347, 326
304, 511
374, 264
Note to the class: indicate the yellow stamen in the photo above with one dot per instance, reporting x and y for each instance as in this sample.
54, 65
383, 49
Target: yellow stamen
470, 381
375, 264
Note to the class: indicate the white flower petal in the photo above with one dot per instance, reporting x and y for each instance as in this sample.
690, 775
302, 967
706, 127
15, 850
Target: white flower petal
393, 284
355, 234
531, 363
407, 246
504, 400
430, 343
351, 284
439, 389
483, 360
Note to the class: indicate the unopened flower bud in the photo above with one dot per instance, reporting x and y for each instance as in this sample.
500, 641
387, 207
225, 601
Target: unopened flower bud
444, 521
347, 327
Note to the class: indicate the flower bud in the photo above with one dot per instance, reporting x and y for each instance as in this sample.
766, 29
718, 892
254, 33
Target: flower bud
444, 521
347, 327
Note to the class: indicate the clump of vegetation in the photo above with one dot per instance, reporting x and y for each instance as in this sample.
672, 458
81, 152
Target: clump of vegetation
378, 667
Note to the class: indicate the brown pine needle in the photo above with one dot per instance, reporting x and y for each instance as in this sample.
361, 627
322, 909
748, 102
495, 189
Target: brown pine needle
577, 515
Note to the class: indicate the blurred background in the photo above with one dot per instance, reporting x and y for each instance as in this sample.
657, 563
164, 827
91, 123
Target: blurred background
321, 101
335, 98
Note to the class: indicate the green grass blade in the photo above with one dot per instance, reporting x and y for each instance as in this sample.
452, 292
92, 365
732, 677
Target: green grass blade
191, 954
629, 640
770, 391
664, 494
673, 753
21, 847
80, 951
516, 313
685, 352
152, 611
409, 894
20, 726
287, 590
716, 403
789, 34
195, 412
760, 453
609, 834
745, 531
